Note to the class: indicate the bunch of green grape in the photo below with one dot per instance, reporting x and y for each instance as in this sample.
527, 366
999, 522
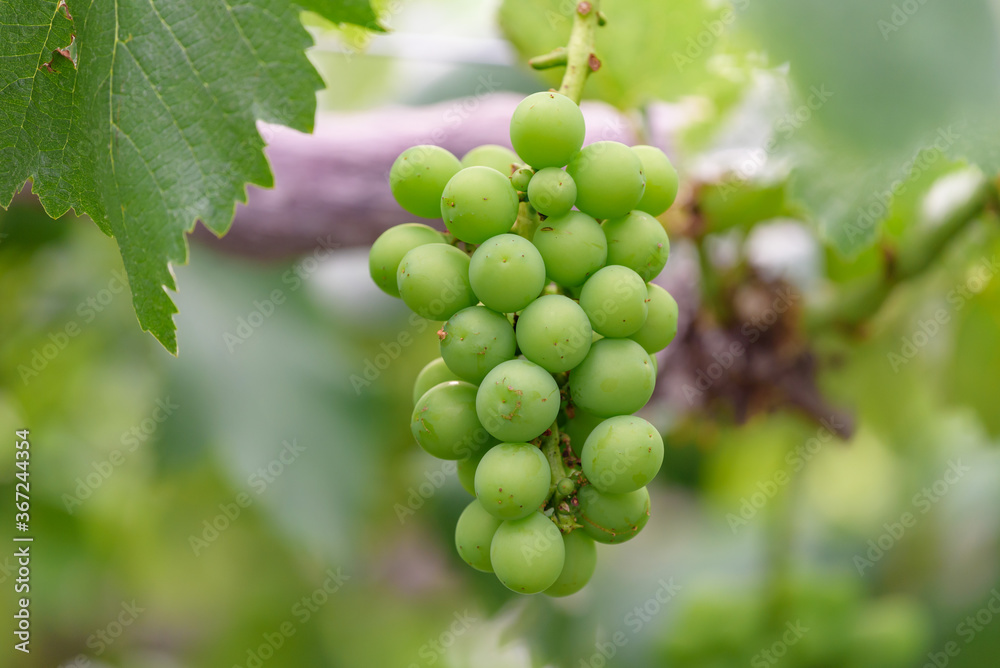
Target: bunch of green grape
550, 324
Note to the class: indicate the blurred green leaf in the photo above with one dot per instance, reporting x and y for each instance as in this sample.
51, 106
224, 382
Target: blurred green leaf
649, 50
264, 393
886, 83
971, 373
741, 204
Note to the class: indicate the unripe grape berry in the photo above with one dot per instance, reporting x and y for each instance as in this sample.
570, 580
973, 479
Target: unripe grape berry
475, 340
547, 129
661, 180
391, 246
433, 281
498, 157
474, 535
478, 203
554, 333
615, 301
579, 427
418, 176
435, 373
609, 179
573, 247
639, 242
552, 191
616, 378
660, 327
613, 518
622, 454
507, 273
444, 421
578, 565
521, 179
528, 554
512, 480
466, 469
518, 400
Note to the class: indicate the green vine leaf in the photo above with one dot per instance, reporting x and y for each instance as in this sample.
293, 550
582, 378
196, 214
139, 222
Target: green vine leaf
887, 92
142, 114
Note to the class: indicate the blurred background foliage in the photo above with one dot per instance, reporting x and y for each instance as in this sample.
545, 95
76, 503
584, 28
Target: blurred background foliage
771, 540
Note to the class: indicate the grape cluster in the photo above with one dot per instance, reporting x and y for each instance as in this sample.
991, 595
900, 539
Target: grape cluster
550, 326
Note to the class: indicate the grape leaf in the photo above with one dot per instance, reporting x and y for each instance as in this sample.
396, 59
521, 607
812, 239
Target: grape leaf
902, 81
142, 114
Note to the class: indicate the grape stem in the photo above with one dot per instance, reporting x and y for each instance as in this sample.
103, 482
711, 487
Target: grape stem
579, 54
551, 444
527, 221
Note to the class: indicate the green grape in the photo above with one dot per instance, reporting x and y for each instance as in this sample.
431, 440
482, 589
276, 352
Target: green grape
580, 562
478, 203
474, 533
552, 192
613, 518
622, 454
433, 281
528, 554
660, 327
507, 273
518, 400
512, 480
579, 427
554, 333
521, 179
466, 469
637, 241
435, 373
497, 157
418, 177
616, 378
391, 246
547, 129
475, 340
615, 301
444, 421
573, 247
609, 179
661, 180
